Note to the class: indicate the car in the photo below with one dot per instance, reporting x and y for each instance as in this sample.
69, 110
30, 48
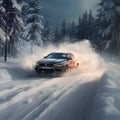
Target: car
56, 62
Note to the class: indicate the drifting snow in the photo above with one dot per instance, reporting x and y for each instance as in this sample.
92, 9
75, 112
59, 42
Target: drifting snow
88, 59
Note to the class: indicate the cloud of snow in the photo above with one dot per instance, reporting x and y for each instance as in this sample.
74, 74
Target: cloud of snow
90, 61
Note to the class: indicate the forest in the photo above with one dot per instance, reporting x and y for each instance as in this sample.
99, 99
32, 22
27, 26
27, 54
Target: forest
23, 27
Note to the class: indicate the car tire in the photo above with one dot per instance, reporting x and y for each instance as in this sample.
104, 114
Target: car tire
77, 64
66, 68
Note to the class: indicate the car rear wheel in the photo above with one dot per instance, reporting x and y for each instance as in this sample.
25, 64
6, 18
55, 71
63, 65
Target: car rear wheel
77, 64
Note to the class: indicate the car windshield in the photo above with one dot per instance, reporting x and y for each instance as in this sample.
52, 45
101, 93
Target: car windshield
57, 56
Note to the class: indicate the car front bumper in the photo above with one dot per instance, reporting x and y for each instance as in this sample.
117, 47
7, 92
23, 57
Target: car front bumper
49, 70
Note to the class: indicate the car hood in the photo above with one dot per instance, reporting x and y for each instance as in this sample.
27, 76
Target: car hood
52, 61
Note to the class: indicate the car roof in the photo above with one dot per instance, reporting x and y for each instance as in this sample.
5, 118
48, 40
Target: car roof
60, 53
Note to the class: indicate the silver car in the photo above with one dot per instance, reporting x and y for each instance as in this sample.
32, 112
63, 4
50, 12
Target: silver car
56, 62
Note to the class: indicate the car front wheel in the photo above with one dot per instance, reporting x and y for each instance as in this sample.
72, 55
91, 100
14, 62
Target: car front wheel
66, 68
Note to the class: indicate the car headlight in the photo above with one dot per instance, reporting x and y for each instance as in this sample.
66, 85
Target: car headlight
58, 64
37, 64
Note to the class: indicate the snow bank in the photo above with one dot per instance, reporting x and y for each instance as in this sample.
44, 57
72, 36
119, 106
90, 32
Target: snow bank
107, 101
4, 76
8, 69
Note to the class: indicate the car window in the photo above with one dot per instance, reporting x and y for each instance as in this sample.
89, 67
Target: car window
57, 55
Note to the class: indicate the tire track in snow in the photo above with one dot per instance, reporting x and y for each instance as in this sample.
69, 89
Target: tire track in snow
21, 108
53, 90
21, 113
42, 107
72, 86
55, 86
34, 110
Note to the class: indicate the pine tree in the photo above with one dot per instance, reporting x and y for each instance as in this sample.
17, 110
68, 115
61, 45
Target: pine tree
72, 31
64, 29
102, 23
57, 37
10, 10
47, 34
110, 15
92, 29
79, 29
84, 26
2, 29
34, 23
17, 30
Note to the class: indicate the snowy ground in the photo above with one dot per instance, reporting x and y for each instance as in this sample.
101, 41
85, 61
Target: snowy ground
107, 100
90, 92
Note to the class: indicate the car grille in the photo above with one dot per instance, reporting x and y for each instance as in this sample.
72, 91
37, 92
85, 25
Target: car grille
48, 71
45, 65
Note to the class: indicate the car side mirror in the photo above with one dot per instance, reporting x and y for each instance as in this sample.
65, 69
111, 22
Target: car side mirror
45, 57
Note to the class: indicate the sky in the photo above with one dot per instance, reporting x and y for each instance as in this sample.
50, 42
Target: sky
57, 10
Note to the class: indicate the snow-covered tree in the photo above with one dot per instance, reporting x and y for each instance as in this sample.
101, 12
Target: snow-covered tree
84, 26
16, 34
79, 28
109, 15
2, 28
57, 37
91, 26
34, 23
84, 29
64, 29
72, 30
10, 14
47, 34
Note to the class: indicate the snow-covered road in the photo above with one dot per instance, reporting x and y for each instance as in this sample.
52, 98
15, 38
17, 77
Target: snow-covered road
86, 93
67, 97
